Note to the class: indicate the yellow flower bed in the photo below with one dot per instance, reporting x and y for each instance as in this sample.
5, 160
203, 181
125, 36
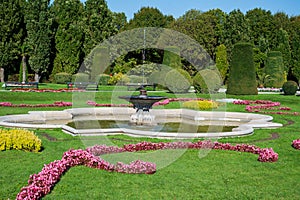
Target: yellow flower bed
19, 139
200, 105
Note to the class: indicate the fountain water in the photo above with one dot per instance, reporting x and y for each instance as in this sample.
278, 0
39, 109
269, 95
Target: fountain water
142, 103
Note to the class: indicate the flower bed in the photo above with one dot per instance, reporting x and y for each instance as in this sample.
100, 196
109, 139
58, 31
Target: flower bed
47, 90
265, 105
55, 104
296, 144
41, 184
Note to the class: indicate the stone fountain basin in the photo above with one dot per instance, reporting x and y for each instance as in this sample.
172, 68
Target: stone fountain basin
245, 122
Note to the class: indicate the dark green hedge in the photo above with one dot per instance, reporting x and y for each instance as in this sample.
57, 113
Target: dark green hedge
242, 77
275, 68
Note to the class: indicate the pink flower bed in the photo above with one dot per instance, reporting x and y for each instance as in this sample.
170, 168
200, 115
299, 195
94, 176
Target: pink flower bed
41, 184
296, 144
47, 90
55, 104
265, 105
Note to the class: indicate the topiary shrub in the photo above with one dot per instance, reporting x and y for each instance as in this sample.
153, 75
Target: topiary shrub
103, 79
137, 79
62, 78
275, 68
178, 81
290, 88
80, 77
207, 81
242, 72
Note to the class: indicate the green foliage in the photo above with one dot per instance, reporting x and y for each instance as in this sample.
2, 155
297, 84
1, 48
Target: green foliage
149, 17
103, 79
284, 48
62, 78
69, 36
290, 88
19, 139
136, 79
200, 105
98, 24
39, 34
118, 79
80, 77
172, 57
11, 32
178, 81
275, 68
207, 81
242, 77
221, 61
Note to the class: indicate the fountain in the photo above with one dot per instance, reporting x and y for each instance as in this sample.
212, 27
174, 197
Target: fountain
142, 103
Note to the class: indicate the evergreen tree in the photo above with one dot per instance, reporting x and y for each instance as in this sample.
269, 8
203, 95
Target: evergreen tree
221, 61
69, 36
284, 48
11, 33
236, 29
98, 24
38, 25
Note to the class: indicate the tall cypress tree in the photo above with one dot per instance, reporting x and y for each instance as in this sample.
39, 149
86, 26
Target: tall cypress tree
69, 36
11, 32
38, 25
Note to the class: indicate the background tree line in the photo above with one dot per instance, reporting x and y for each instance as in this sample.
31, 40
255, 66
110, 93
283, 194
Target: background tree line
51, 38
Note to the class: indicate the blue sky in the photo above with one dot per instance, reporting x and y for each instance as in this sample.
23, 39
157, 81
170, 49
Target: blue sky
178, 7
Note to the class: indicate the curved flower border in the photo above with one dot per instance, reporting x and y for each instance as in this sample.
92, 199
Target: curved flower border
55, 104
39, 185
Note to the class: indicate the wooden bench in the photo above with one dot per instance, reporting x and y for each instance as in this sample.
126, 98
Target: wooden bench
139, 86
83, 85
11, 84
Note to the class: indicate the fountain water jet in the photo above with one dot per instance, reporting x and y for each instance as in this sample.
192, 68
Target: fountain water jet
142, 103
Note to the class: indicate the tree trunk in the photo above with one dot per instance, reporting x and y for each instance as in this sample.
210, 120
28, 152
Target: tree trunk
24, 68
36, 77
2, 75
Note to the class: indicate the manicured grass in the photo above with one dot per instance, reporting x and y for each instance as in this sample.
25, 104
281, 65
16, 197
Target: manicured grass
216, 175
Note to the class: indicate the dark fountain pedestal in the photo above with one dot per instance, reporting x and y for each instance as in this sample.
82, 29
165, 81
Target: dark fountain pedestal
142, 103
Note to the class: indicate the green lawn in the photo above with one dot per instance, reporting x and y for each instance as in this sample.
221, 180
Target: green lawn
217, 175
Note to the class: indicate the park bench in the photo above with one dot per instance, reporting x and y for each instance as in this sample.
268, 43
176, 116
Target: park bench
11, 84
139, 86
83, 85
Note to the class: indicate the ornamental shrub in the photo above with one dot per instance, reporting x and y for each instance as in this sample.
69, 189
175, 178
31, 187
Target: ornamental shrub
80, 77
275, 68
178, 81
103, 79
207, 81
242, 73
19, 139
172, 57
62, 78
290, 88
137, 79
119, 78
200, 105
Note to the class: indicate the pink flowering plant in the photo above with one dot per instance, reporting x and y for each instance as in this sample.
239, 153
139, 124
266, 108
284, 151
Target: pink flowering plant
55, 104
296, 144
47, 90
39, 185
264, 106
